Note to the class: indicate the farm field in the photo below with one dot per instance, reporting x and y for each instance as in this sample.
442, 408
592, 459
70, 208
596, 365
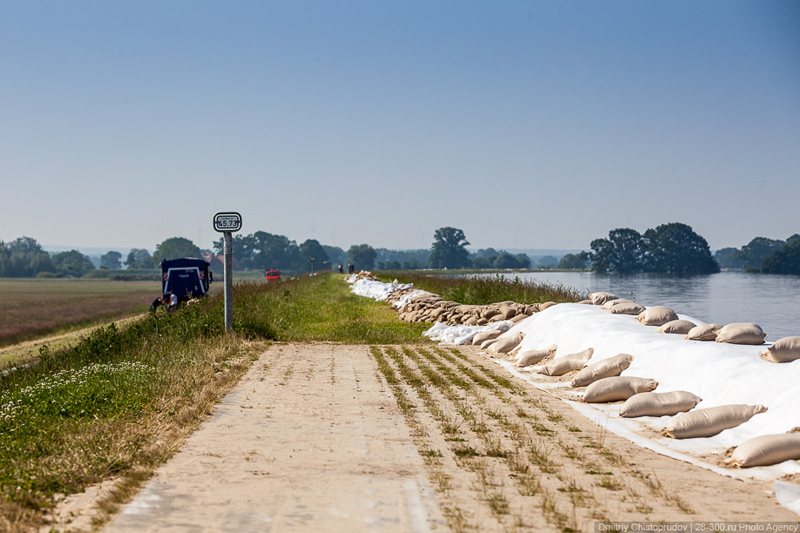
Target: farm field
34, 307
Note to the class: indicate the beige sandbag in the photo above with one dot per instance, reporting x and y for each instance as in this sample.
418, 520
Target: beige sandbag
766, 450
507, 311
586, 301
599, 298
680, 327
741, 333
617, 388
613, 366
626, 308
478, 338
611, 303
568, 363
784, 350
658, 404
545, 305
703, 332
709, 422
488, 342
531, 357
519, 318
657, 315
506, 344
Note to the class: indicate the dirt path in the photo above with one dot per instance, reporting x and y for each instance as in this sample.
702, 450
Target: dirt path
309, 440
335, 438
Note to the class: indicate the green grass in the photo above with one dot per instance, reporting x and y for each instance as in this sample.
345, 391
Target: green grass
113, 404
322, 308
481, 290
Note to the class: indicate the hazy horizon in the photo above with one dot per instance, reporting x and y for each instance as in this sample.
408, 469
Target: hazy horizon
526, 124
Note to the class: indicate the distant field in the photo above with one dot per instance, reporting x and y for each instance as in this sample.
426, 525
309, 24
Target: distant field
32, 307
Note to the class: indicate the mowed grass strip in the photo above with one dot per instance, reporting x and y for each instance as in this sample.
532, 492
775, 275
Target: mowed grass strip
33, 307
321, 308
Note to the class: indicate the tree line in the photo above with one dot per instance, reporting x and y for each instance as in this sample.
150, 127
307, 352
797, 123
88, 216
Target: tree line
772, 256
669, 248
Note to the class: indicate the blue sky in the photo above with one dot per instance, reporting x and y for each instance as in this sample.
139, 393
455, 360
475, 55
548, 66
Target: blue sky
526, 124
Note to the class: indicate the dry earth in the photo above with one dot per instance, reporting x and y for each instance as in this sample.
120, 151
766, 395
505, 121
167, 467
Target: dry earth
346, 438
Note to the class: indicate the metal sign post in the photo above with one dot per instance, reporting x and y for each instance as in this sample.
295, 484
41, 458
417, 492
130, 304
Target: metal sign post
227, 223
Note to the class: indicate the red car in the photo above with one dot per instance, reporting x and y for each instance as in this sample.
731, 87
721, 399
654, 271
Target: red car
272, 274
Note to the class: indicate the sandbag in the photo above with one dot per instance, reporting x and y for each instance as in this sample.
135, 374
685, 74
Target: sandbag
611, 303
657, 316
488, 342
784, 350
703, 332
766, 450
613, 366
681, 327
568, 363
545, 305
741, 333
709, 422
626, 308
518, 318
617, 388
599, 298
586, 301
658, 404
479, 338
506, 344
507, 311
531, 357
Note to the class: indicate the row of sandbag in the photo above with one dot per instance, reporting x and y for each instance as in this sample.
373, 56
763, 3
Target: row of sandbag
434, 308
783, 350
604, 384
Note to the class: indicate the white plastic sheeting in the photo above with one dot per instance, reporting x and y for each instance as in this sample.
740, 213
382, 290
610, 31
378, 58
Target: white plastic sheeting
377, 290
444, 334
719, 373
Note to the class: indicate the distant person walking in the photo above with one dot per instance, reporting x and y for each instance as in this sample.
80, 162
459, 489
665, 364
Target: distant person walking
341, 269
350, 268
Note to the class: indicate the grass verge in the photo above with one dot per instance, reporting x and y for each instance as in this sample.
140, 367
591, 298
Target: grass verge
118, 403
481, 290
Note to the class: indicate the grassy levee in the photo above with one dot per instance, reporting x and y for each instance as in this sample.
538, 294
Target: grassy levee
322, 308
480, 290
120, 402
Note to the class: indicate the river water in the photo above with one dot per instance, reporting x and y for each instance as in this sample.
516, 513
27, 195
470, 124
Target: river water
771, 301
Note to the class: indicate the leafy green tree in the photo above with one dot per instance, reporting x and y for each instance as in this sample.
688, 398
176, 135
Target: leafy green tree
111, 260
579, 261
547, 261
139, 258
72, 263
262, 250
676, 249
336, 255
729, 258
312, 256
786, 259
756, 251
397, 259
23, 257
362, 256
176, 248
449, 249
622, 252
